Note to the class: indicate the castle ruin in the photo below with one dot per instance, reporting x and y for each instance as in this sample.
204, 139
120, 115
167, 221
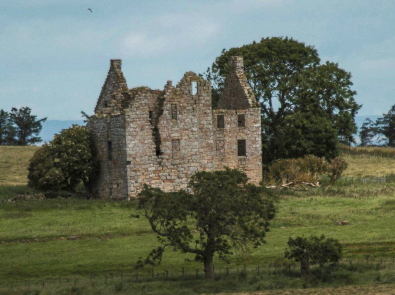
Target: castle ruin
162, 137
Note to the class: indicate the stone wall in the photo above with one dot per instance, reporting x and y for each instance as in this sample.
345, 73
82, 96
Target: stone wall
162, 138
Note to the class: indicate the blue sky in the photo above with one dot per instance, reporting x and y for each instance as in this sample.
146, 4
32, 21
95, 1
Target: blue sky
54, 54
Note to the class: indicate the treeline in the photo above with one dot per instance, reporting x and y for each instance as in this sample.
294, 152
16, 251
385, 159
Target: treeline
380, 132
19, 127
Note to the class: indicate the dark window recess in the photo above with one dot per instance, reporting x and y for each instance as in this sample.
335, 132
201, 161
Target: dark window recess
175, 146
109, 150
241, 148
194, 87
220, 121
128, 162
241, 120
151, 114
174, 112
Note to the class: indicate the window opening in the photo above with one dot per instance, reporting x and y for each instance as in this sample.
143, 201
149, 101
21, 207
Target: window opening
175, 146
174, 112
220, 121
241, 121
241, 147
109, 150
194, 87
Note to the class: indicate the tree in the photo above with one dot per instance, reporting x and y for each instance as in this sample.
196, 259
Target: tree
70, 158
368, 132
287, 78
226, 212
386, 126
313, 250
7, 130
26, 126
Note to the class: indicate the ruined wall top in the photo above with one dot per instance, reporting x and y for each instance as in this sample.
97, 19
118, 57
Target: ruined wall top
237, 93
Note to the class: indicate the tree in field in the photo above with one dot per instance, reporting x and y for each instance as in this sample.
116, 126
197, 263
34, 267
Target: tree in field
223, 212
7, 130
27, 127
287, 79
368, 132
70, 158
313, 250
386, 127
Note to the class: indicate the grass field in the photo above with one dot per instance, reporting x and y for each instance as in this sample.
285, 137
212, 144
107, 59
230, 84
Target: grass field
42, 242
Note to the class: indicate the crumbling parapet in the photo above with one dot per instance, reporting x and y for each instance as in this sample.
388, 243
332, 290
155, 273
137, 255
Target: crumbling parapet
162, 137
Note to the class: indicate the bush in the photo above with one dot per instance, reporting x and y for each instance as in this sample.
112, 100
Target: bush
306, 169
69, 159
313, 250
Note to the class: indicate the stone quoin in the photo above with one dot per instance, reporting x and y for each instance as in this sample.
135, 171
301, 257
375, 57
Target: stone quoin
162, 137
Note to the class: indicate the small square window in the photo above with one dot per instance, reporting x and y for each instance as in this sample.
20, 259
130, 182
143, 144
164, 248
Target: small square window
241, 148
241, 120
174, 112
220, 121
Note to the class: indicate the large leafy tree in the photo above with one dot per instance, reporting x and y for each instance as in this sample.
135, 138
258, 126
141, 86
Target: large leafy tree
70, 158
27, 126
7, 130
287, 78
222, 212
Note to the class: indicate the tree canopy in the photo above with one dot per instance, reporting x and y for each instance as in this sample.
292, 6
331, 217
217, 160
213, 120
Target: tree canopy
313, 250
19, 127
70, 158
289, 80
222, 212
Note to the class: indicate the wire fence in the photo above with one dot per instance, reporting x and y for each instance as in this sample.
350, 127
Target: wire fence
135, 277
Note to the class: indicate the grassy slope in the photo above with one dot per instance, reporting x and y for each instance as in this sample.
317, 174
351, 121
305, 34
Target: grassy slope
33, 244
13, 164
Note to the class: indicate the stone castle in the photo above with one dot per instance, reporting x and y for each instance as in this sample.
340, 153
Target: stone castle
162, 137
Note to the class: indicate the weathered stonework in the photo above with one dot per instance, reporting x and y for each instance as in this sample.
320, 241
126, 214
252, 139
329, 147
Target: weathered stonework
162, 138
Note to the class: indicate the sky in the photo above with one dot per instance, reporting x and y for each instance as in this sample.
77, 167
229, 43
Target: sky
55, 54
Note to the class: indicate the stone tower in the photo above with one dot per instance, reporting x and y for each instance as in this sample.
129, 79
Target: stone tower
162, 137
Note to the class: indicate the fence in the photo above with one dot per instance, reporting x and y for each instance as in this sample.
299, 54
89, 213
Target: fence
225, 273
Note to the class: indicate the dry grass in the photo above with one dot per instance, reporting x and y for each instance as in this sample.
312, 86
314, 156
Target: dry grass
360, 290
14, 161
368, 166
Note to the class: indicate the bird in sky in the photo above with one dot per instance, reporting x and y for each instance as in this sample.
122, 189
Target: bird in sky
90, 10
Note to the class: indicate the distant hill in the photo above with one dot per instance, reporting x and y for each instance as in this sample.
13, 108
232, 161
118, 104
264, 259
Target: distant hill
52, 127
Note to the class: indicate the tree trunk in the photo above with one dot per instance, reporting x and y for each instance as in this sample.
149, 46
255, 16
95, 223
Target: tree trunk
305, 267
209, 267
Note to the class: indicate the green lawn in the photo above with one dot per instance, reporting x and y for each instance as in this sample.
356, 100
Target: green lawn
77, 238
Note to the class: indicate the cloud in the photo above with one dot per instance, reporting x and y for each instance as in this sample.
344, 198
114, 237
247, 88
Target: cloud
170, 33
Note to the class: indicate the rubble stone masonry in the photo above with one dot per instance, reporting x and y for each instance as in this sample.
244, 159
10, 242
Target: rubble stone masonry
161, 138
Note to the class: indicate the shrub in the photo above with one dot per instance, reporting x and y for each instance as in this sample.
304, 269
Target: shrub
306, 169
313, 250
69, 159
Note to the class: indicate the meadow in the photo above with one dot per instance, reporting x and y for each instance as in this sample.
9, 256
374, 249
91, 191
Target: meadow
79, 246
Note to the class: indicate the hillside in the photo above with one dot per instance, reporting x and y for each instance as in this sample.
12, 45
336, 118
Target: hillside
14, 161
